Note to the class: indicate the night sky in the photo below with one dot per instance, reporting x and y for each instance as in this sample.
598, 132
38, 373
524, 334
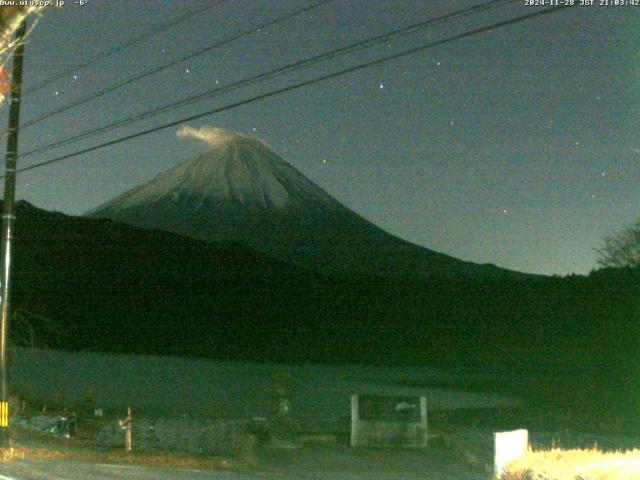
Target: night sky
518, 146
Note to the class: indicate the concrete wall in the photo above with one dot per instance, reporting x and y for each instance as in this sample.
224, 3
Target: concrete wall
385, 433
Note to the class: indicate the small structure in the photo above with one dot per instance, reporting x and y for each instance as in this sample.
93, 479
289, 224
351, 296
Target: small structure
388, 421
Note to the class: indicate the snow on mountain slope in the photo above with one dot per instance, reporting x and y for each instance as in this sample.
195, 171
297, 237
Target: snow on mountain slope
238, 171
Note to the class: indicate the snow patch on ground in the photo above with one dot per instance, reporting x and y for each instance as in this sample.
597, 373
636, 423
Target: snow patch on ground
171, 387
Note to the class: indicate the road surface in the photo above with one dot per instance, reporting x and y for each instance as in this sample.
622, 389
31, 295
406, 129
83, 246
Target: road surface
326, 463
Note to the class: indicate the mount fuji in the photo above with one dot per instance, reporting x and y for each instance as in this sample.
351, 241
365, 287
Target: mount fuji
242, 191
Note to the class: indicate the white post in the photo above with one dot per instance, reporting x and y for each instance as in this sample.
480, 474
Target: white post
127, 426
127, 435
355, 417
509, 446
424, 422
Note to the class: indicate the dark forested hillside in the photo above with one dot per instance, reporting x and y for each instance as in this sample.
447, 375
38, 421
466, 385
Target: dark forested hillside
110, 287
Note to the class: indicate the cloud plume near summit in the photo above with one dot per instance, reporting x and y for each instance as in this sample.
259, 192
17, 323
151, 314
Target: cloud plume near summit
207, 134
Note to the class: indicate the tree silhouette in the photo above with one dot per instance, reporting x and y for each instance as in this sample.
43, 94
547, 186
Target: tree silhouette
622, 249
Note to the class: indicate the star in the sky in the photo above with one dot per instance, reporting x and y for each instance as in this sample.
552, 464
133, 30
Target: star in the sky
381, 86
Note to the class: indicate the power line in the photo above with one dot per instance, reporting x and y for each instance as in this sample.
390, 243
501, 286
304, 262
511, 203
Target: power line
161, 68
129, 43
363, 44
302, 84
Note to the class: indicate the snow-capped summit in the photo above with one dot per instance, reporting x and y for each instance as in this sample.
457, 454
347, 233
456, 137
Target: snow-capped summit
241, 190
237, 172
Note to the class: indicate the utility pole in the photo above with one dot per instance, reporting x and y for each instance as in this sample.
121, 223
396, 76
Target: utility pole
7, 225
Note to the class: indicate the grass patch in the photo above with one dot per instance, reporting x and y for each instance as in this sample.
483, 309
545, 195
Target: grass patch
33, 445
577, 464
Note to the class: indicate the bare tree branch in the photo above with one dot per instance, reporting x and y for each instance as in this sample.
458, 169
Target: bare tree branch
622, 249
